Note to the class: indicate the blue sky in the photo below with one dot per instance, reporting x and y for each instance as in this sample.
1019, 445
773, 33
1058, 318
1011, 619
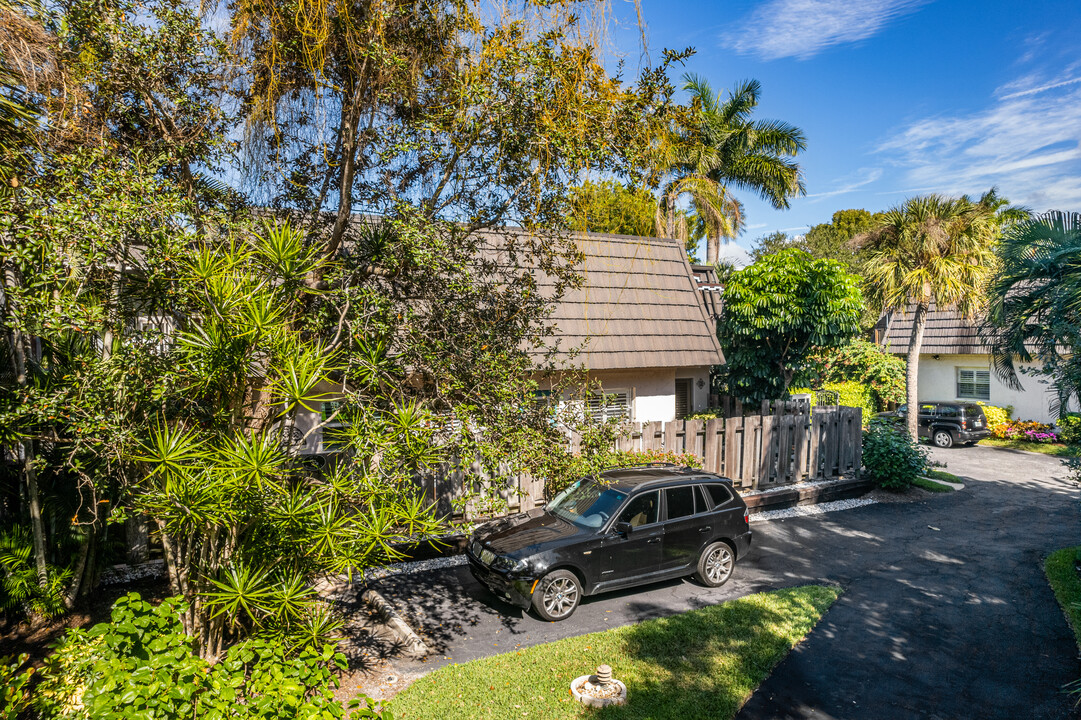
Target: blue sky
897, 97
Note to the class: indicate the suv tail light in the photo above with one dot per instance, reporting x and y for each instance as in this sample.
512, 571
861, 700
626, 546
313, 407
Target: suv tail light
747, 516
964, 424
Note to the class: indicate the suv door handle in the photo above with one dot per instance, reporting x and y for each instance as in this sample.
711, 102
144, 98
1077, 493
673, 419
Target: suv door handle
707, 528
653, 540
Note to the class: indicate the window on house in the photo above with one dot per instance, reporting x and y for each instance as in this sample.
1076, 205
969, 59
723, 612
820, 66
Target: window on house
683, 398
333, 432
609, 405
973, 384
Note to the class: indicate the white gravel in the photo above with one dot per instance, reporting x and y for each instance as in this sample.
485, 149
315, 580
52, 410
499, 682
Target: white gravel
121, 574
803, 510
407, 568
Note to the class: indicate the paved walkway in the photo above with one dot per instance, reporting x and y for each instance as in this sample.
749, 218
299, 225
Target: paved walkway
946, 612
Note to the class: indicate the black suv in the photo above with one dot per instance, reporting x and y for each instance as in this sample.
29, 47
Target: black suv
623, 527
948, 423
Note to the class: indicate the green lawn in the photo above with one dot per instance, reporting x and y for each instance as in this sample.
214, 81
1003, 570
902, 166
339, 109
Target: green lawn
1056, 449
701, 664
1062, 574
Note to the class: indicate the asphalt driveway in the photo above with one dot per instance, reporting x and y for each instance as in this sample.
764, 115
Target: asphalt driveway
946, 612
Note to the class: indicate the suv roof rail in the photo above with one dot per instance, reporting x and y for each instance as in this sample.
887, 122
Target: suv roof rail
647, 465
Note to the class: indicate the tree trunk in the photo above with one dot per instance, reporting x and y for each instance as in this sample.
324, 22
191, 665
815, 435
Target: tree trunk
18, 340
713, 249
348, 134
915, 342
670, 216
37, 527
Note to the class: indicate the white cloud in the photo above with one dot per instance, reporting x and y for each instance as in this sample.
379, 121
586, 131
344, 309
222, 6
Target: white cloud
735, 254
803, 28
866, 176
1027, 142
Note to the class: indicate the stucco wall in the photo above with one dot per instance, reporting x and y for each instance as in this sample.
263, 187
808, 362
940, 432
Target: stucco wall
938, 381
654, 389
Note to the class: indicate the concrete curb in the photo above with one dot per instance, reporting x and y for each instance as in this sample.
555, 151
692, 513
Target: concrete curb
955, 486
394, 621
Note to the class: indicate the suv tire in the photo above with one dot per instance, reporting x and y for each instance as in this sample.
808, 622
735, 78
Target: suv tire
557, 595
942, 438
715, 565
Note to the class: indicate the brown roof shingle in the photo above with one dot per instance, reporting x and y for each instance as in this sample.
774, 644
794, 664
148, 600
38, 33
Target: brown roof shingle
638, 307
947, 332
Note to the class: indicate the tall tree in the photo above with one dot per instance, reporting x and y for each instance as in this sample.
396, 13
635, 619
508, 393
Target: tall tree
730, 149
932, 250
776, 312
1034, 306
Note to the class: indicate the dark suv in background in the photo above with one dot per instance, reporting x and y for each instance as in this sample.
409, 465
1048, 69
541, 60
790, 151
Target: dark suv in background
623, 527
948, 423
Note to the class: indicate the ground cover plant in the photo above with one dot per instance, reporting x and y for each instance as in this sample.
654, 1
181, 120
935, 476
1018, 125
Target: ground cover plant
700, 664
143, 664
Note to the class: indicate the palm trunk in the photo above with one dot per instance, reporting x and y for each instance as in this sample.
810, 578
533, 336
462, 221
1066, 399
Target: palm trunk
670, 219
713, 249
915, 342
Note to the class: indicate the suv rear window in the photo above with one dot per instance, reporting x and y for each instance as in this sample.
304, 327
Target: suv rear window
973, 411
720, 494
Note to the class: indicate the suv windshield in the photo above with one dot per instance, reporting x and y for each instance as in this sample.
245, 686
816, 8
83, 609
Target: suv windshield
586, 503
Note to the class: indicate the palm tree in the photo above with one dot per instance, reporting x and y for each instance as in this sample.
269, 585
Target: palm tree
932, 250
1034, 306
724, 147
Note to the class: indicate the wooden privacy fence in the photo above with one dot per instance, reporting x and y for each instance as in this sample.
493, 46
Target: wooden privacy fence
758, 452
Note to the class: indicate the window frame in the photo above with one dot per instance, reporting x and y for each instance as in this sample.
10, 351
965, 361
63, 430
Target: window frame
974, 382
604, 414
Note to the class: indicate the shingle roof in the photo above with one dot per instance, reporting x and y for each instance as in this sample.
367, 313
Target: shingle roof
638, 307
947, 332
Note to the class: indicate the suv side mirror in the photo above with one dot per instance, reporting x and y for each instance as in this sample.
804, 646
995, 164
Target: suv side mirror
623, 528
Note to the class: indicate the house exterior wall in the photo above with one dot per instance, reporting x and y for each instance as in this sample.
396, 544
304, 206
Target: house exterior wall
654, 389
938, 381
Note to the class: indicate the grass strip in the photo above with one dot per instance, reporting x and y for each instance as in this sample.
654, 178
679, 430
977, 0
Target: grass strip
1060, 568
699, 664
1056, 449
943, 475
931, 485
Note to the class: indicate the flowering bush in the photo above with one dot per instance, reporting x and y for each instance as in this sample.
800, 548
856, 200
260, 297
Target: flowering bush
1028, 430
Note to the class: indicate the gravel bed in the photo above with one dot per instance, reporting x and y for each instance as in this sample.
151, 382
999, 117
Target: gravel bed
121, 574
406, 568
803, 510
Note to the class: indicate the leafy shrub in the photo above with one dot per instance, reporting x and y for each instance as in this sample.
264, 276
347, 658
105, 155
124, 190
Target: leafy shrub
142, 664
14, 686
707, 414
1069, 428
893, 459
849, 394
19, 589
996, 415
858, 361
